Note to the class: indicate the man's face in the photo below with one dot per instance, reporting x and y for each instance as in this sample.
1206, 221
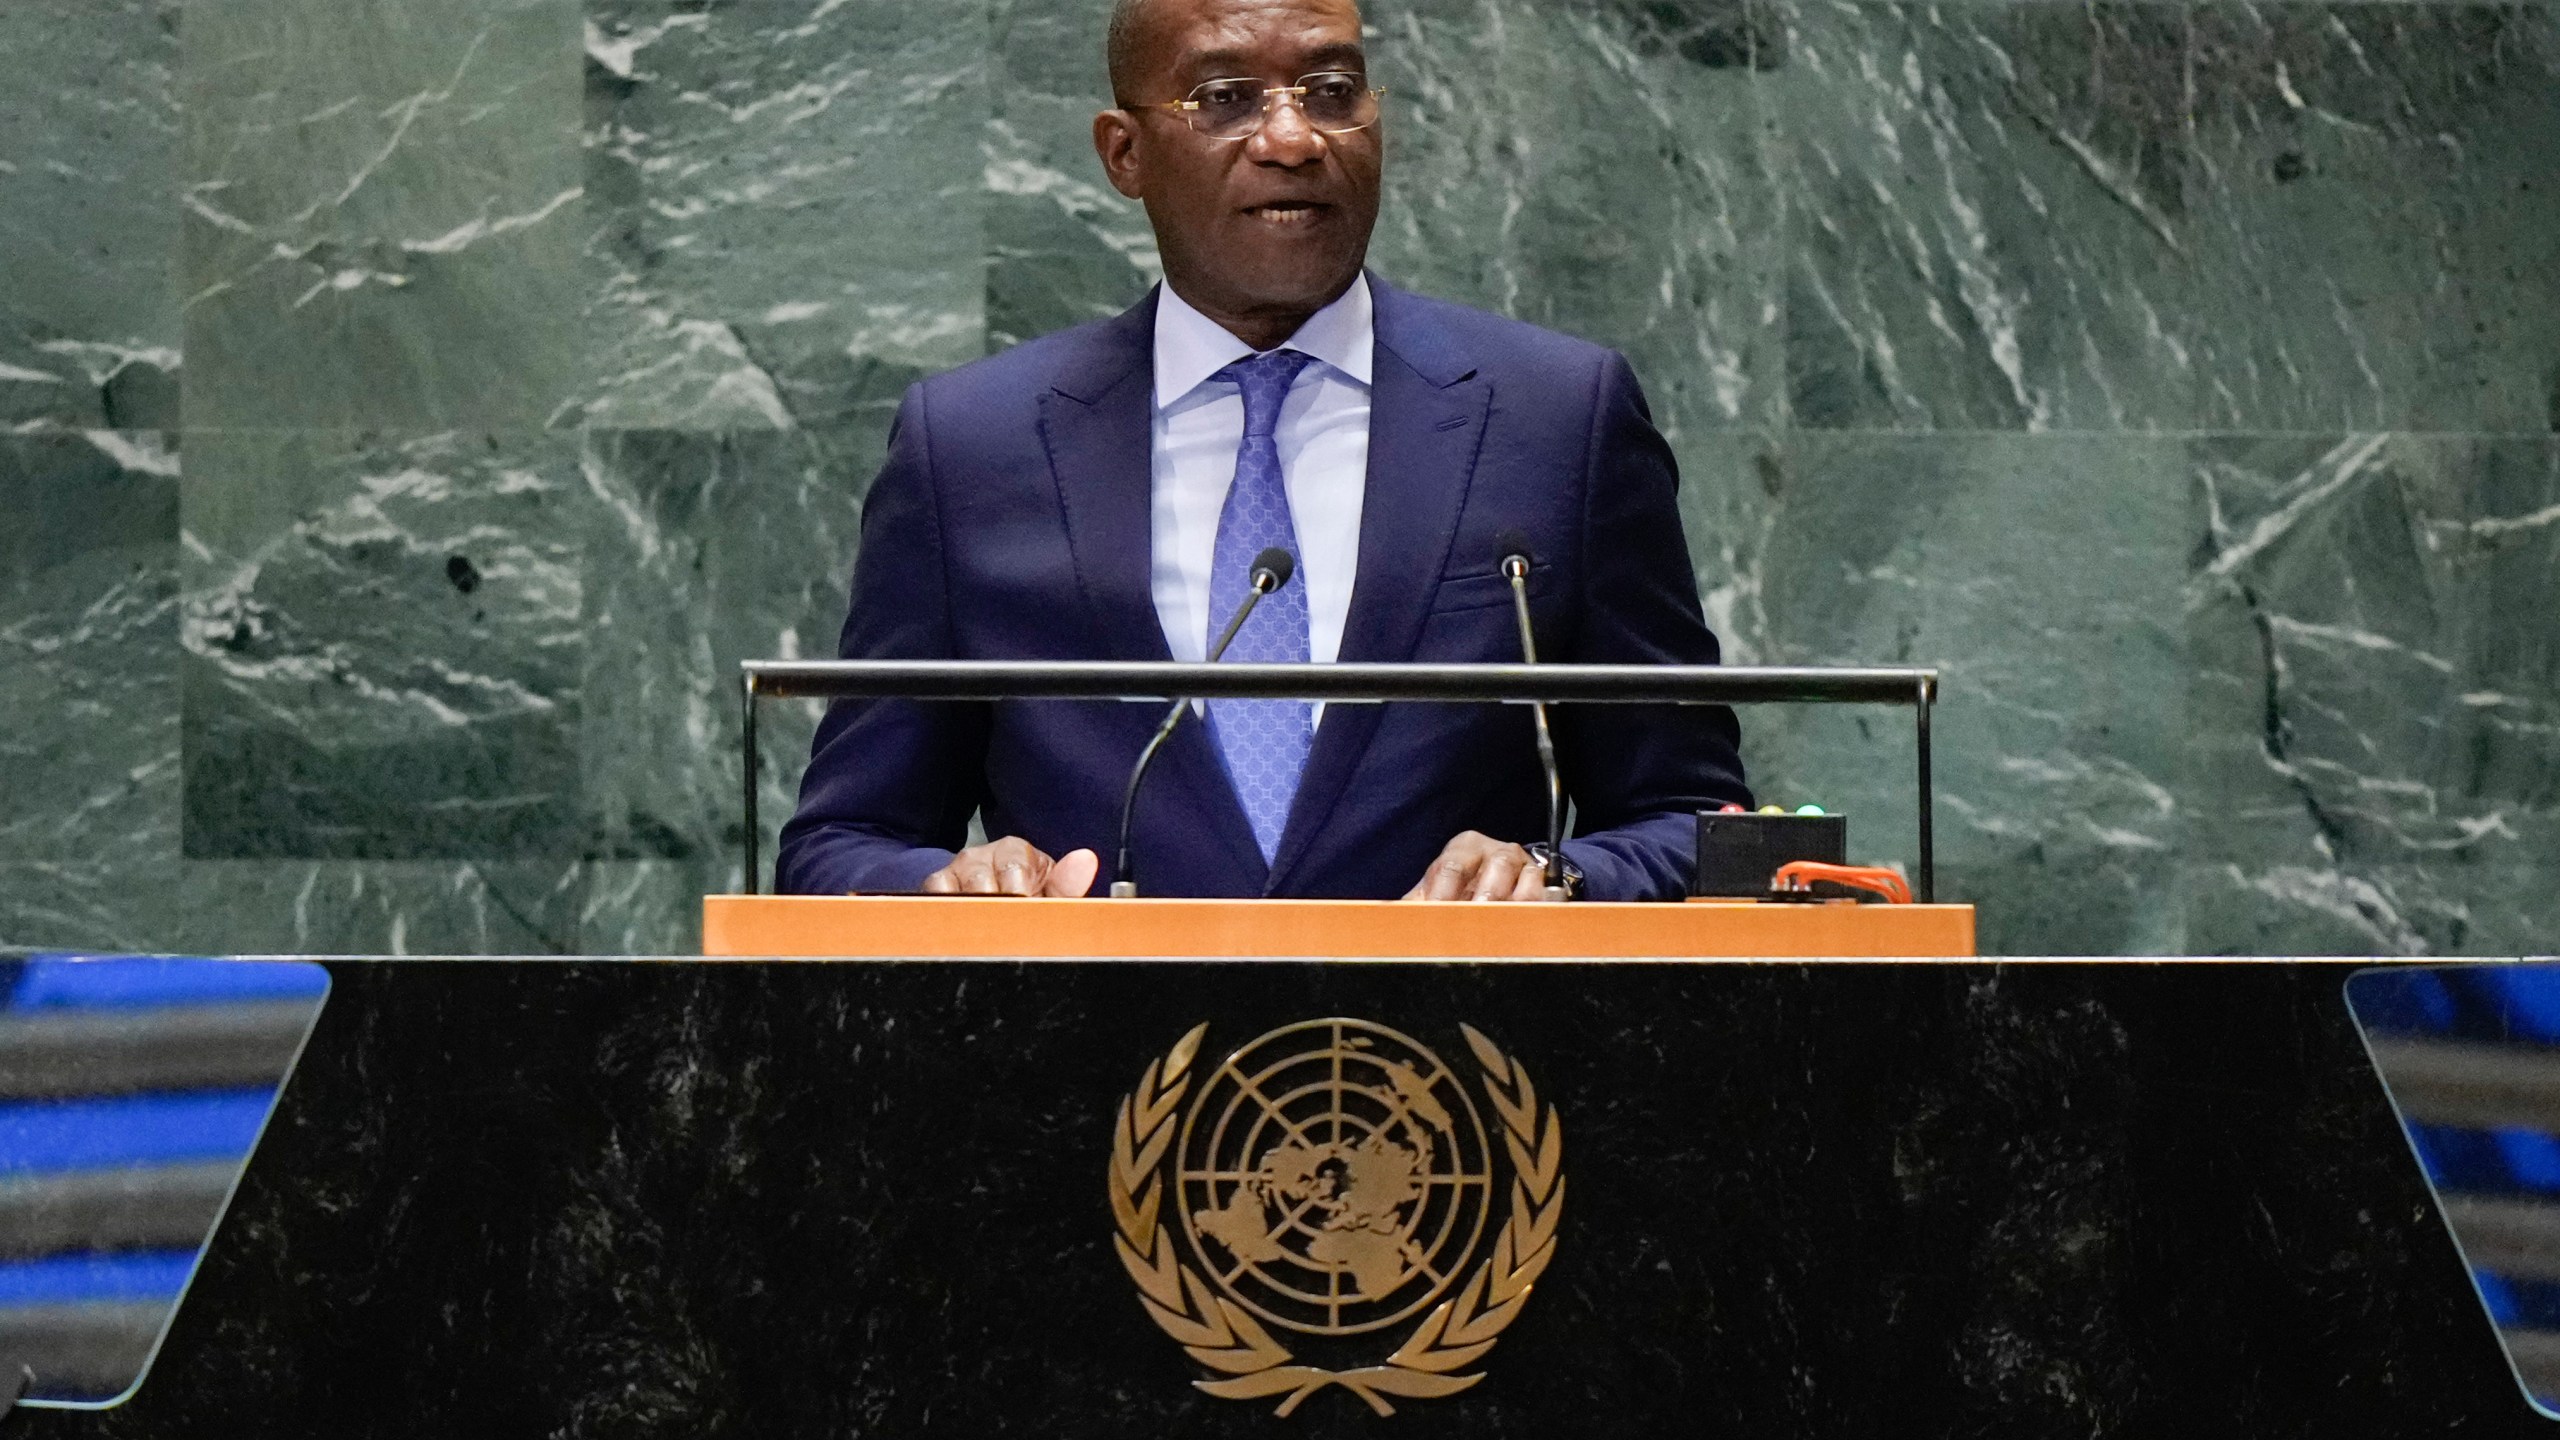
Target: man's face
1271, 226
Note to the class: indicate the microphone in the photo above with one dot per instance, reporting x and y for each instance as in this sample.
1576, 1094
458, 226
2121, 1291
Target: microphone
1271, 570
1515, 568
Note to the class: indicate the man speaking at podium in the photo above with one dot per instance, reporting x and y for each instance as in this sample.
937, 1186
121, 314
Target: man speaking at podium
1103, 493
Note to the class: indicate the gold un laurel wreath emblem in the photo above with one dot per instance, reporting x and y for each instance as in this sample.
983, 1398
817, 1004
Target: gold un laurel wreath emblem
1334, 1179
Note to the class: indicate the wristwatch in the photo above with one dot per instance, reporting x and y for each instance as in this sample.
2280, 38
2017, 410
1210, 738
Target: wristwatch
1558, 869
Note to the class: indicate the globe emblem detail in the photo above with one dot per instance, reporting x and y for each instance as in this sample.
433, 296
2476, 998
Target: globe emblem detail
1333, 1176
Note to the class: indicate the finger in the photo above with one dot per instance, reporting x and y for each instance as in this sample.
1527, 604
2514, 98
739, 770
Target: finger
977, 877
1448, 876
1497, 873
1019, 867
1072, 874
1532, 884
941, 882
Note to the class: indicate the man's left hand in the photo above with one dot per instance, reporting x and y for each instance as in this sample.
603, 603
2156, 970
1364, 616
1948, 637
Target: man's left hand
1479, 867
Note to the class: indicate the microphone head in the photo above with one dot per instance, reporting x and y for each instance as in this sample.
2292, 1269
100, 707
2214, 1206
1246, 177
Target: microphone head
1276, 563
1514, 548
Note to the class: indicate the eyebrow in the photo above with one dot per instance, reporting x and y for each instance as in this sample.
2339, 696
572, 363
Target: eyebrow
1222, 63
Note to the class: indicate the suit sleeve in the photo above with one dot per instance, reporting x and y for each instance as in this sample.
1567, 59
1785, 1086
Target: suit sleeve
891, 784
1639, 774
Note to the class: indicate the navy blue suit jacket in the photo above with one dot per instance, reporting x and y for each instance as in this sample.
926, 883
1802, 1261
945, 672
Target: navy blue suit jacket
1012, 521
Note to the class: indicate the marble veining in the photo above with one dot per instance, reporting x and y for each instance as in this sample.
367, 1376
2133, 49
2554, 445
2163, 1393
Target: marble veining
126, 903
1660, 239
88, 153
752, 532
2041, 574
1062, 247
2377, 199
783, 197
88, 607
1987, 216
377, 205
382, 645
2378, 679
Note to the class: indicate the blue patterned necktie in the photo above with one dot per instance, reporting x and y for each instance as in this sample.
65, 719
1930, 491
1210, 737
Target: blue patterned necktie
1264, 742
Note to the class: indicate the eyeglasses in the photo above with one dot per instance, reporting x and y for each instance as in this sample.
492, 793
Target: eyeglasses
1335, 102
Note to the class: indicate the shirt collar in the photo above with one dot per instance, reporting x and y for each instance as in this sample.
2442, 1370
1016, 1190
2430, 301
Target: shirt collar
1191, 347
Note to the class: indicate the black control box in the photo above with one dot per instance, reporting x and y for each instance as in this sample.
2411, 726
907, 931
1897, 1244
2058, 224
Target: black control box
1739, 851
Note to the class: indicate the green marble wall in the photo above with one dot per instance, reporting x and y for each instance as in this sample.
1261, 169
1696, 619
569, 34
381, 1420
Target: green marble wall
411, 409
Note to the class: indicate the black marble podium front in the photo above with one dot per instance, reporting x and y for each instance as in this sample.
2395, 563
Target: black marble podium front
635, 1198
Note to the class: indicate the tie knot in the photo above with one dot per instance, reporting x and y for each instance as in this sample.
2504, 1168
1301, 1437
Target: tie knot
1265, 381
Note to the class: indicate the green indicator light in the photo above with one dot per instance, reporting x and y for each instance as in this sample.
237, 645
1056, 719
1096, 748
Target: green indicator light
1808, 809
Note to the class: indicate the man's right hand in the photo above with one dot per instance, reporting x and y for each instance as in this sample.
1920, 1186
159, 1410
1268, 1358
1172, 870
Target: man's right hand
1011, 866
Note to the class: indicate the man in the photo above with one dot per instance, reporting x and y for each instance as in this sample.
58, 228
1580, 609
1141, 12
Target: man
1101, 494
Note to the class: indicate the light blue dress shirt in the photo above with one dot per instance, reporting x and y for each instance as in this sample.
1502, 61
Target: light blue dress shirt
1323, 437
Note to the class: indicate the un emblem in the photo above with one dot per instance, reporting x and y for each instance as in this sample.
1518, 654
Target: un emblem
1334, 1178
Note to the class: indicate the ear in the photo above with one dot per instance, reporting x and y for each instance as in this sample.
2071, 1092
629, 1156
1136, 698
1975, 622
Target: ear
1115, 143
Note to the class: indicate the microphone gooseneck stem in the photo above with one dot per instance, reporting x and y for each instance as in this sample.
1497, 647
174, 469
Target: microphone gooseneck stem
1263, 584
1518, 573
1124, 870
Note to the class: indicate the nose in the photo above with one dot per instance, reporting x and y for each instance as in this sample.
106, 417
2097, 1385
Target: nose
1285, 137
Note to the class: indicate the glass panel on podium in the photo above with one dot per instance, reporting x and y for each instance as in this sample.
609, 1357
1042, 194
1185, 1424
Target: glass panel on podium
132, 1092
2471, 1057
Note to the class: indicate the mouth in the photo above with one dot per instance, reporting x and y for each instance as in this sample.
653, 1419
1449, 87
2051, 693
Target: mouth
1287, 214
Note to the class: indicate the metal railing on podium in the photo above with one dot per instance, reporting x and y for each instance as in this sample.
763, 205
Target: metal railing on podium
1514, 684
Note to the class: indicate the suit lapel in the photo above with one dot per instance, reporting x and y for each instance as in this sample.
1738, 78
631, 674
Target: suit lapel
1095, 424
1426, 419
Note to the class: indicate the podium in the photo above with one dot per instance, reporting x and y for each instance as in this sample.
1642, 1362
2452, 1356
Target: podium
1011, 927
891, 1195
972, 1166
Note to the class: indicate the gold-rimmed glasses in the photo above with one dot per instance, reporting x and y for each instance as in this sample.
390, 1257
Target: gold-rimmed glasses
1335, 102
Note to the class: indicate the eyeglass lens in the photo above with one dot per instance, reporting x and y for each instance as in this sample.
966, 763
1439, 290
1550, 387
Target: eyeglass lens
1333, 102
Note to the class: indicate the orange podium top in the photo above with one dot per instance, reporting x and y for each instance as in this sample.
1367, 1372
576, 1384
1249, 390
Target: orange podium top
988, 927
